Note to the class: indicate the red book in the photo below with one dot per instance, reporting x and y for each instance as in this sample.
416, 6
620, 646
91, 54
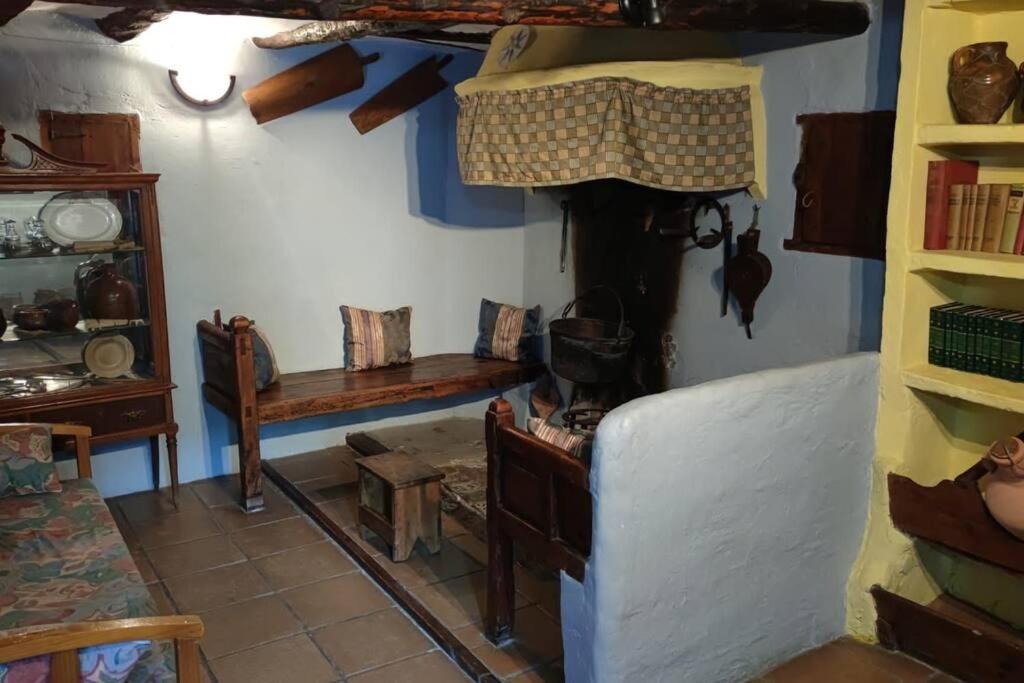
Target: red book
941, 175
1018, 247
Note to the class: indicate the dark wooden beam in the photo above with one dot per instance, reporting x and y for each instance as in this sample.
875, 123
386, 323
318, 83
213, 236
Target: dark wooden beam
12, 8
125, 24
828, 17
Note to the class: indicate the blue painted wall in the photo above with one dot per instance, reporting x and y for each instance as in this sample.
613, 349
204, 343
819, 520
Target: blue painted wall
281, 222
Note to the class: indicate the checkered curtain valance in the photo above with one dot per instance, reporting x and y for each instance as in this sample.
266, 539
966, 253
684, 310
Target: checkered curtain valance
670, 138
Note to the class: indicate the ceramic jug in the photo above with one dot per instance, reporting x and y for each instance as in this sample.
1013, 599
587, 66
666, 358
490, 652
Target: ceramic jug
108, 294
1004, 487
983, 82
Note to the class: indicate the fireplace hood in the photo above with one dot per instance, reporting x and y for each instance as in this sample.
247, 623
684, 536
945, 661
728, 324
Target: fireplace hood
689, 125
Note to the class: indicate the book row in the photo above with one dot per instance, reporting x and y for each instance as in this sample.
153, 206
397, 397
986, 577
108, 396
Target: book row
964, 215
978, 339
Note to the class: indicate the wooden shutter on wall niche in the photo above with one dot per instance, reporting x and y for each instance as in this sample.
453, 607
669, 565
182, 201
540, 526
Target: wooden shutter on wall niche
842, 183
109, 138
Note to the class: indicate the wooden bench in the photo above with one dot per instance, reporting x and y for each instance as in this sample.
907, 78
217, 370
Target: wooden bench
230, 385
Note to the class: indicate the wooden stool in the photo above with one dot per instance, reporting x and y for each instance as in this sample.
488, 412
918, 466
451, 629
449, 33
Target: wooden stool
400, 501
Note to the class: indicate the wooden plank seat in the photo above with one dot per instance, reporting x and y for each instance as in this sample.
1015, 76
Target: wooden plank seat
229, 384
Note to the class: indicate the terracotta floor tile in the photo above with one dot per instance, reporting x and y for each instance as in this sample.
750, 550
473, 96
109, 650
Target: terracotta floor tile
194, 556
149, 504
341, 510
304, 565
537, 640
316, 464
373, 545
545, 674
144, 566
828, 663
270, 538
233, 517
906, 669
294, 659
328, 488
472, 546
545, 591
164, 607
219, 490
343, 597
216, 587
124, 526
245, 624
429, 668
471, 636
422, 568
172, 529
457, 602
939, 677
372, 641
452, 527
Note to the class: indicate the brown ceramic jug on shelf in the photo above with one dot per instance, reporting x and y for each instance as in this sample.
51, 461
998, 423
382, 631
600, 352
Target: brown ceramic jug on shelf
1004, 487
983, 82
107, 294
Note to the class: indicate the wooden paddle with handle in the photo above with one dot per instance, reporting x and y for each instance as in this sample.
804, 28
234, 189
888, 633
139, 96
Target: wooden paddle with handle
415, 86
326, 76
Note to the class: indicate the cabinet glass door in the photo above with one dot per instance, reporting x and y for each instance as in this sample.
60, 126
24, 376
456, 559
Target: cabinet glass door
73, 291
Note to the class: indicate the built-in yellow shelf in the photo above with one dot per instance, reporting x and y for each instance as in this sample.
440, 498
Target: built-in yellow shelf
968, 263
980, 389
963, 135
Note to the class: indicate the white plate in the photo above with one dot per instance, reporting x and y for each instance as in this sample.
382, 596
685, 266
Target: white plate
109, 356
67, 220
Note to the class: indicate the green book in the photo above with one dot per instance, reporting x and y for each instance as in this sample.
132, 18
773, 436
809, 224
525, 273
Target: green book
960, 336
937, 353
1012, 346
947, 317
974, 358
988, 343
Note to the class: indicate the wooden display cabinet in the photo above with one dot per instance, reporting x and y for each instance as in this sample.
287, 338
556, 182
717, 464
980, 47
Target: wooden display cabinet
44, 374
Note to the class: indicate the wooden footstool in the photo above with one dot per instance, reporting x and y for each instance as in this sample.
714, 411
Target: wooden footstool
400, 501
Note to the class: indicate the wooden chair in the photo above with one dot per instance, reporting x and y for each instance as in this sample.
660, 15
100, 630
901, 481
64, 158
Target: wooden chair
63, 641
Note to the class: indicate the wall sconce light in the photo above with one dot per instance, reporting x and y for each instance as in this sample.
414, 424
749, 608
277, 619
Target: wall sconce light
196, 102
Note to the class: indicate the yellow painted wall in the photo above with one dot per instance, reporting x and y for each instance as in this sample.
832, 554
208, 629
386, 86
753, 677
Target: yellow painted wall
934, 423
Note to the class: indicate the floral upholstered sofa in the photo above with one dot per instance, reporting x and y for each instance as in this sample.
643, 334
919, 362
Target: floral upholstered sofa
71, 595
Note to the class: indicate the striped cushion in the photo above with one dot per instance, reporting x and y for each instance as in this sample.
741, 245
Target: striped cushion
376, 340
507, 332
559, 437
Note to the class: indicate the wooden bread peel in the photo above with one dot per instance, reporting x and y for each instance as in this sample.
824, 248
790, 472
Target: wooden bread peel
316, 80
415, 86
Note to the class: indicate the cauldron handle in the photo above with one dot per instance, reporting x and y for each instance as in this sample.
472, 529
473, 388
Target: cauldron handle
618, 300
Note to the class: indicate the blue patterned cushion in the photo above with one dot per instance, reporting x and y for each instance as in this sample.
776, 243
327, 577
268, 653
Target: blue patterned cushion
507, 332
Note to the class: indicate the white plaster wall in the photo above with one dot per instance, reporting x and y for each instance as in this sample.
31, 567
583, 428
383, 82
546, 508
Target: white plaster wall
281, 222
816, 306
726, 519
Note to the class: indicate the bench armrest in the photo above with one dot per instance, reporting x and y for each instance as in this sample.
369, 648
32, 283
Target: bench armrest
63, 641
229, 367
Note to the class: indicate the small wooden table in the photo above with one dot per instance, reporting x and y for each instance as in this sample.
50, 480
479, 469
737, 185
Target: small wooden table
400, 501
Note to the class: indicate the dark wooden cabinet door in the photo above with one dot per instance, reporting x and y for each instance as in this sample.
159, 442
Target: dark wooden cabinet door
109, 138
842, 183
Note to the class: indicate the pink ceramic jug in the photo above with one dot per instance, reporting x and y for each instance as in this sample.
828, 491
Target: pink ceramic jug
1004, 487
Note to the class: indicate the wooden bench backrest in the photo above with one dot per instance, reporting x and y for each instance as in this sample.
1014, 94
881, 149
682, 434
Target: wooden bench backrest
540, 493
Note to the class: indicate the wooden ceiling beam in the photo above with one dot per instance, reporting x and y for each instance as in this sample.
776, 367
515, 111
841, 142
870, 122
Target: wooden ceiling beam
125, 24
12, 8
828, 17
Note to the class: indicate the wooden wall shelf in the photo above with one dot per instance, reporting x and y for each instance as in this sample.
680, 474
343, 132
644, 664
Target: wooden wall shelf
978, 389
955, 516
1008, 266
951, 635
953, 136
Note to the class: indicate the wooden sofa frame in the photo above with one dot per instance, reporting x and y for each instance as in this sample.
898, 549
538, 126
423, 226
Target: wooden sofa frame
538, 496
229, 384
63, 641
